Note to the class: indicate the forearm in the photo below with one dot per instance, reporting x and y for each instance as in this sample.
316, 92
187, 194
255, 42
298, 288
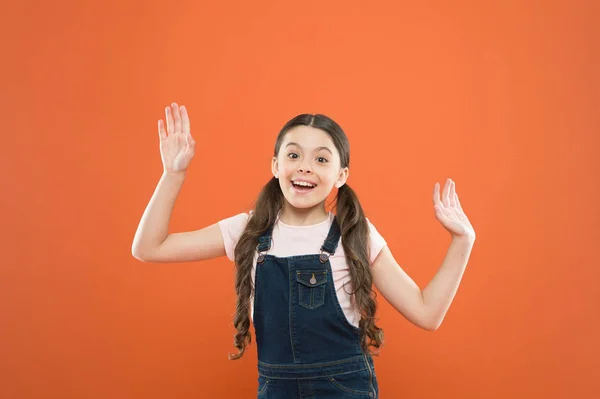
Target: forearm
154, 225
440, 291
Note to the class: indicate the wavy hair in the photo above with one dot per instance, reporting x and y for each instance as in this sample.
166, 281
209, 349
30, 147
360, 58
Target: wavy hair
354, 231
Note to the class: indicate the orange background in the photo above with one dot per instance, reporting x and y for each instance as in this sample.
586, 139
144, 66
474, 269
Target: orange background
502, 97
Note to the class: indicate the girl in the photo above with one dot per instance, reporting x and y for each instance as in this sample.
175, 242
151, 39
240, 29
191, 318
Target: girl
303, 274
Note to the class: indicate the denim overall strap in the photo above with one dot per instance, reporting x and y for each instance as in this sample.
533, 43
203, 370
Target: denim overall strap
264, 244
331, 242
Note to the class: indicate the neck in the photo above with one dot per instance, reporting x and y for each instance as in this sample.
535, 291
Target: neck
303, 216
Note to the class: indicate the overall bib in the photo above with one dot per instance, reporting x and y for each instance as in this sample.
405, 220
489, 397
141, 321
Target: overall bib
306, 346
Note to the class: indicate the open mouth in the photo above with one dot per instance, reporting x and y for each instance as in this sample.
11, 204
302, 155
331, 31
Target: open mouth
302, 187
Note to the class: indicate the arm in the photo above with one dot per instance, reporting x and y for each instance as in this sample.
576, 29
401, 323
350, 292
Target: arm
428, 308
440, 291
425, 309
154, 224
151, 242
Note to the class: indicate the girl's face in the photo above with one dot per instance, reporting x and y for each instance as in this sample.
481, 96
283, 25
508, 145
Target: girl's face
308, 154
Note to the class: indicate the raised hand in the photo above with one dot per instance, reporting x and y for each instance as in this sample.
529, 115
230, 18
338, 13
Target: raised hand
450, 213
177, 147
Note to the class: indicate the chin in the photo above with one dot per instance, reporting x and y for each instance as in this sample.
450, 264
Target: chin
302, 203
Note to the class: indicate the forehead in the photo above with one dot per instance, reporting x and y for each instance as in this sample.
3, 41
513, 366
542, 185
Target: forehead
308, 137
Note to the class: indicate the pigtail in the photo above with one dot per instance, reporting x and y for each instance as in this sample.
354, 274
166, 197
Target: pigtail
268, 204
355, 237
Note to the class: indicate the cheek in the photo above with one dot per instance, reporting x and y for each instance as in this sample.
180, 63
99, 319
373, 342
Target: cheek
288, 171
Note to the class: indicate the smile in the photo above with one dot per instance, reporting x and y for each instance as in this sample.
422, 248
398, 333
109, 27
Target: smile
302, 189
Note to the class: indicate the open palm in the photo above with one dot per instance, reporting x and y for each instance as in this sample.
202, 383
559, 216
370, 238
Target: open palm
449, 211
177, 147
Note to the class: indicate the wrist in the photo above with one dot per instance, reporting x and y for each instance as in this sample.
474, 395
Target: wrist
466, 239
176, 175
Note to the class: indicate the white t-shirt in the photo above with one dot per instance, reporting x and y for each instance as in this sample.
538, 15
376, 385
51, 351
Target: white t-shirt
290, 240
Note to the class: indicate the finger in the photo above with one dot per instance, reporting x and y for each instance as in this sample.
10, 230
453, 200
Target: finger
188, 141
162, 135
176, 117
461, 214
453, 195
185, 121
169, 119
446, 193
436, 194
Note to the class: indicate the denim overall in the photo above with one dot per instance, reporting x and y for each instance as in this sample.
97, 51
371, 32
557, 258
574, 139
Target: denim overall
306, 346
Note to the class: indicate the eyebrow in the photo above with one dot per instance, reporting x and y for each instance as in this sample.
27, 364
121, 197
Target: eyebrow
316, 149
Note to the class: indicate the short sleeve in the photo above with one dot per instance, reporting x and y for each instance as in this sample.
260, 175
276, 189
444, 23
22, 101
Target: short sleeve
376, 243
231, 230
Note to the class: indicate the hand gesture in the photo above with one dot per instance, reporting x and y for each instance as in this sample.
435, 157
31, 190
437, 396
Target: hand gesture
176, 143
449, 212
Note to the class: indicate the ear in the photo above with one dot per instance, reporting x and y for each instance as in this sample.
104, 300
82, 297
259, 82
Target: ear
275, 167
342, 177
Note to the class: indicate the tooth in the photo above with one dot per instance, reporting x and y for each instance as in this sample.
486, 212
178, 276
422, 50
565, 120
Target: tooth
303, 184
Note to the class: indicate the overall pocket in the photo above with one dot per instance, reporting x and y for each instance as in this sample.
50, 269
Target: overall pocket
355, 383
311, 288
263, 383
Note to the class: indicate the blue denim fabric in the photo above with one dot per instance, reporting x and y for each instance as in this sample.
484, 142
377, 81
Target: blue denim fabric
306, 346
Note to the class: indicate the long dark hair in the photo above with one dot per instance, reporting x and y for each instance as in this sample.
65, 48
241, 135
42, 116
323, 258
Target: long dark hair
354, 231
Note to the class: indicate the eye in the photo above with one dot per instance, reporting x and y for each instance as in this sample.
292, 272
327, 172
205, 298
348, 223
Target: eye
292, 153
324, 159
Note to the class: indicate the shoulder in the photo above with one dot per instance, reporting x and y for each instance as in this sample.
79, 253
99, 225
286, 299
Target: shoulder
376, 241
373, 232
235, 221
231, 230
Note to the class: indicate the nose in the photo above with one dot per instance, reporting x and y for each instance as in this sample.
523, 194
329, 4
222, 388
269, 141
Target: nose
304, 168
